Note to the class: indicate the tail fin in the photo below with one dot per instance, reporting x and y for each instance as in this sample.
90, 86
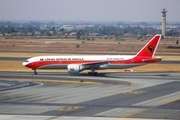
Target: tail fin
149, 49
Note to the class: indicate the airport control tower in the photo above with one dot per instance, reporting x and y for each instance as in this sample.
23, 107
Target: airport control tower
164, 22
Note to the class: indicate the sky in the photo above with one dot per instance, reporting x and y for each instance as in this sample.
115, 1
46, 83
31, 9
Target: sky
90, 10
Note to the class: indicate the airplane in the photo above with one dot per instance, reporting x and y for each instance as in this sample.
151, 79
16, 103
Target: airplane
76, 64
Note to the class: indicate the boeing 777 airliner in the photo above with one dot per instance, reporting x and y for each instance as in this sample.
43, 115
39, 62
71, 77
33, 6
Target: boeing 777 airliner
76, 64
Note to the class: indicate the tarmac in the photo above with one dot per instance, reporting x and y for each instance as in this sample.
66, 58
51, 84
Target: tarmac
109, 96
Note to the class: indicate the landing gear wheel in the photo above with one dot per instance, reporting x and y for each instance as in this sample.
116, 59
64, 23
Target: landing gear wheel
93, 73
35, 73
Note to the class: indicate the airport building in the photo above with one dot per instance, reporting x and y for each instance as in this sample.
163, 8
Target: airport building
164, 22
67, 27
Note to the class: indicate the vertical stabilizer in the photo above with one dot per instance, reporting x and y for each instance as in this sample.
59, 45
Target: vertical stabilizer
149, 49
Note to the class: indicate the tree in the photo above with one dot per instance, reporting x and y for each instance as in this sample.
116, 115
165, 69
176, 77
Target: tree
10, 29
53, 29
78, 35
29, 29
62, 30
77, 46
47, 33
82, 38
139, 37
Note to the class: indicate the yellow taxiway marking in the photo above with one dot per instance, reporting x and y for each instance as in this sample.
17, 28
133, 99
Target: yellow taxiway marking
77, 107
56, 117
140, 111
54, 81
69, 108
136, 92
168, 102
67, 81
132, 83
61, 109
39, 107
135, 113
110, 91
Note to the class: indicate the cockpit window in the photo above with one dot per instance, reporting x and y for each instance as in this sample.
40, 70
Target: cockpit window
27, 61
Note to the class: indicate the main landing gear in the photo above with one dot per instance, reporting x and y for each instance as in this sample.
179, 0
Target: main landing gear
93, 72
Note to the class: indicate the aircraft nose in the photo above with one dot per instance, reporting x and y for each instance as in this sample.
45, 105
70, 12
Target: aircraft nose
24, 64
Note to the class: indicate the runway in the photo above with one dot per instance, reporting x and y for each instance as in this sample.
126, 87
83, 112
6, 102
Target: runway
110, 96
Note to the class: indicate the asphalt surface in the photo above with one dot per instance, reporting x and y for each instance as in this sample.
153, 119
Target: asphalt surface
108, 96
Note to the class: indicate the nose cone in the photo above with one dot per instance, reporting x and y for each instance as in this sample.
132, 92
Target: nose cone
24, 64
28, 65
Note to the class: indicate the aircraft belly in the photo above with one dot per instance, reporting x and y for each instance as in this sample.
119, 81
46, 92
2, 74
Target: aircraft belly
118, 66
105, 66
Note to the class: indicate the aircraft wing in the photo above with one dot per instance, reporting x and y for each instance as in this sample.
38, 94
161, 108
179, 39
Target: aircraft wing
96, 63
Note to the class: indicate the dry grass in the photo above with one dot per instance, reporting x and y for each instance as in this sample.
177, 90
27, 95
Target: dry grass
17, 67
29, 54
157, 68
64, 45
89, 46
170, 57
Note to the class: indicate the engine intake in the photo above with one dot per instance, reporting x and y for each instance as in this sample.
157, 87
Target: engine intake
74, 68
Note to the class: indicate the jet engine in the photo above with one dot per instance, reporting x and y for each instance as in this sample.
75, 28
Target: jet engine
74, 68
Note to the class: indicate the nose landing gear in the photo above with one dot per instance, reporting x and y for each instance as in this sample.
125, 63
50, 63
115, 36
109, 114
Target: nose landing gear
35, 73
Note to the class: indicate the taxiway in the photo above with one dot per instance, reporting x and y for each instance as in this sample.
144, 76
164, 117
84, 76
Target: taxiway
107, 96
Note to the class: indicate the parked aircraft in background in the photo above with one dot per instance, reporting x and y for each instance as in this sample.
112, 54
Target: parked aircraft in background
76, 64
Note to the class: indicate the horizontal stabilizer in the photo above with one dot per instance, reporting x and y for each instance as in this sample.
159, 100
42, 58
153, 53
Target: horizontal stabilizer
151, 60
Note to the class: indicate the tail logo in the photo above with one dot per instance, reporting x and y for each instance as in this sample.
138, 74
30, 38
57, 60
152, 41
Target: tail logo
150, 49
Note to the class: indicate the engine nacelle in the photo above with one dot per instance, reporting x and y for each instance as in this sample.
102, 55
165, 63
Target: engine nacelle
74, 68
